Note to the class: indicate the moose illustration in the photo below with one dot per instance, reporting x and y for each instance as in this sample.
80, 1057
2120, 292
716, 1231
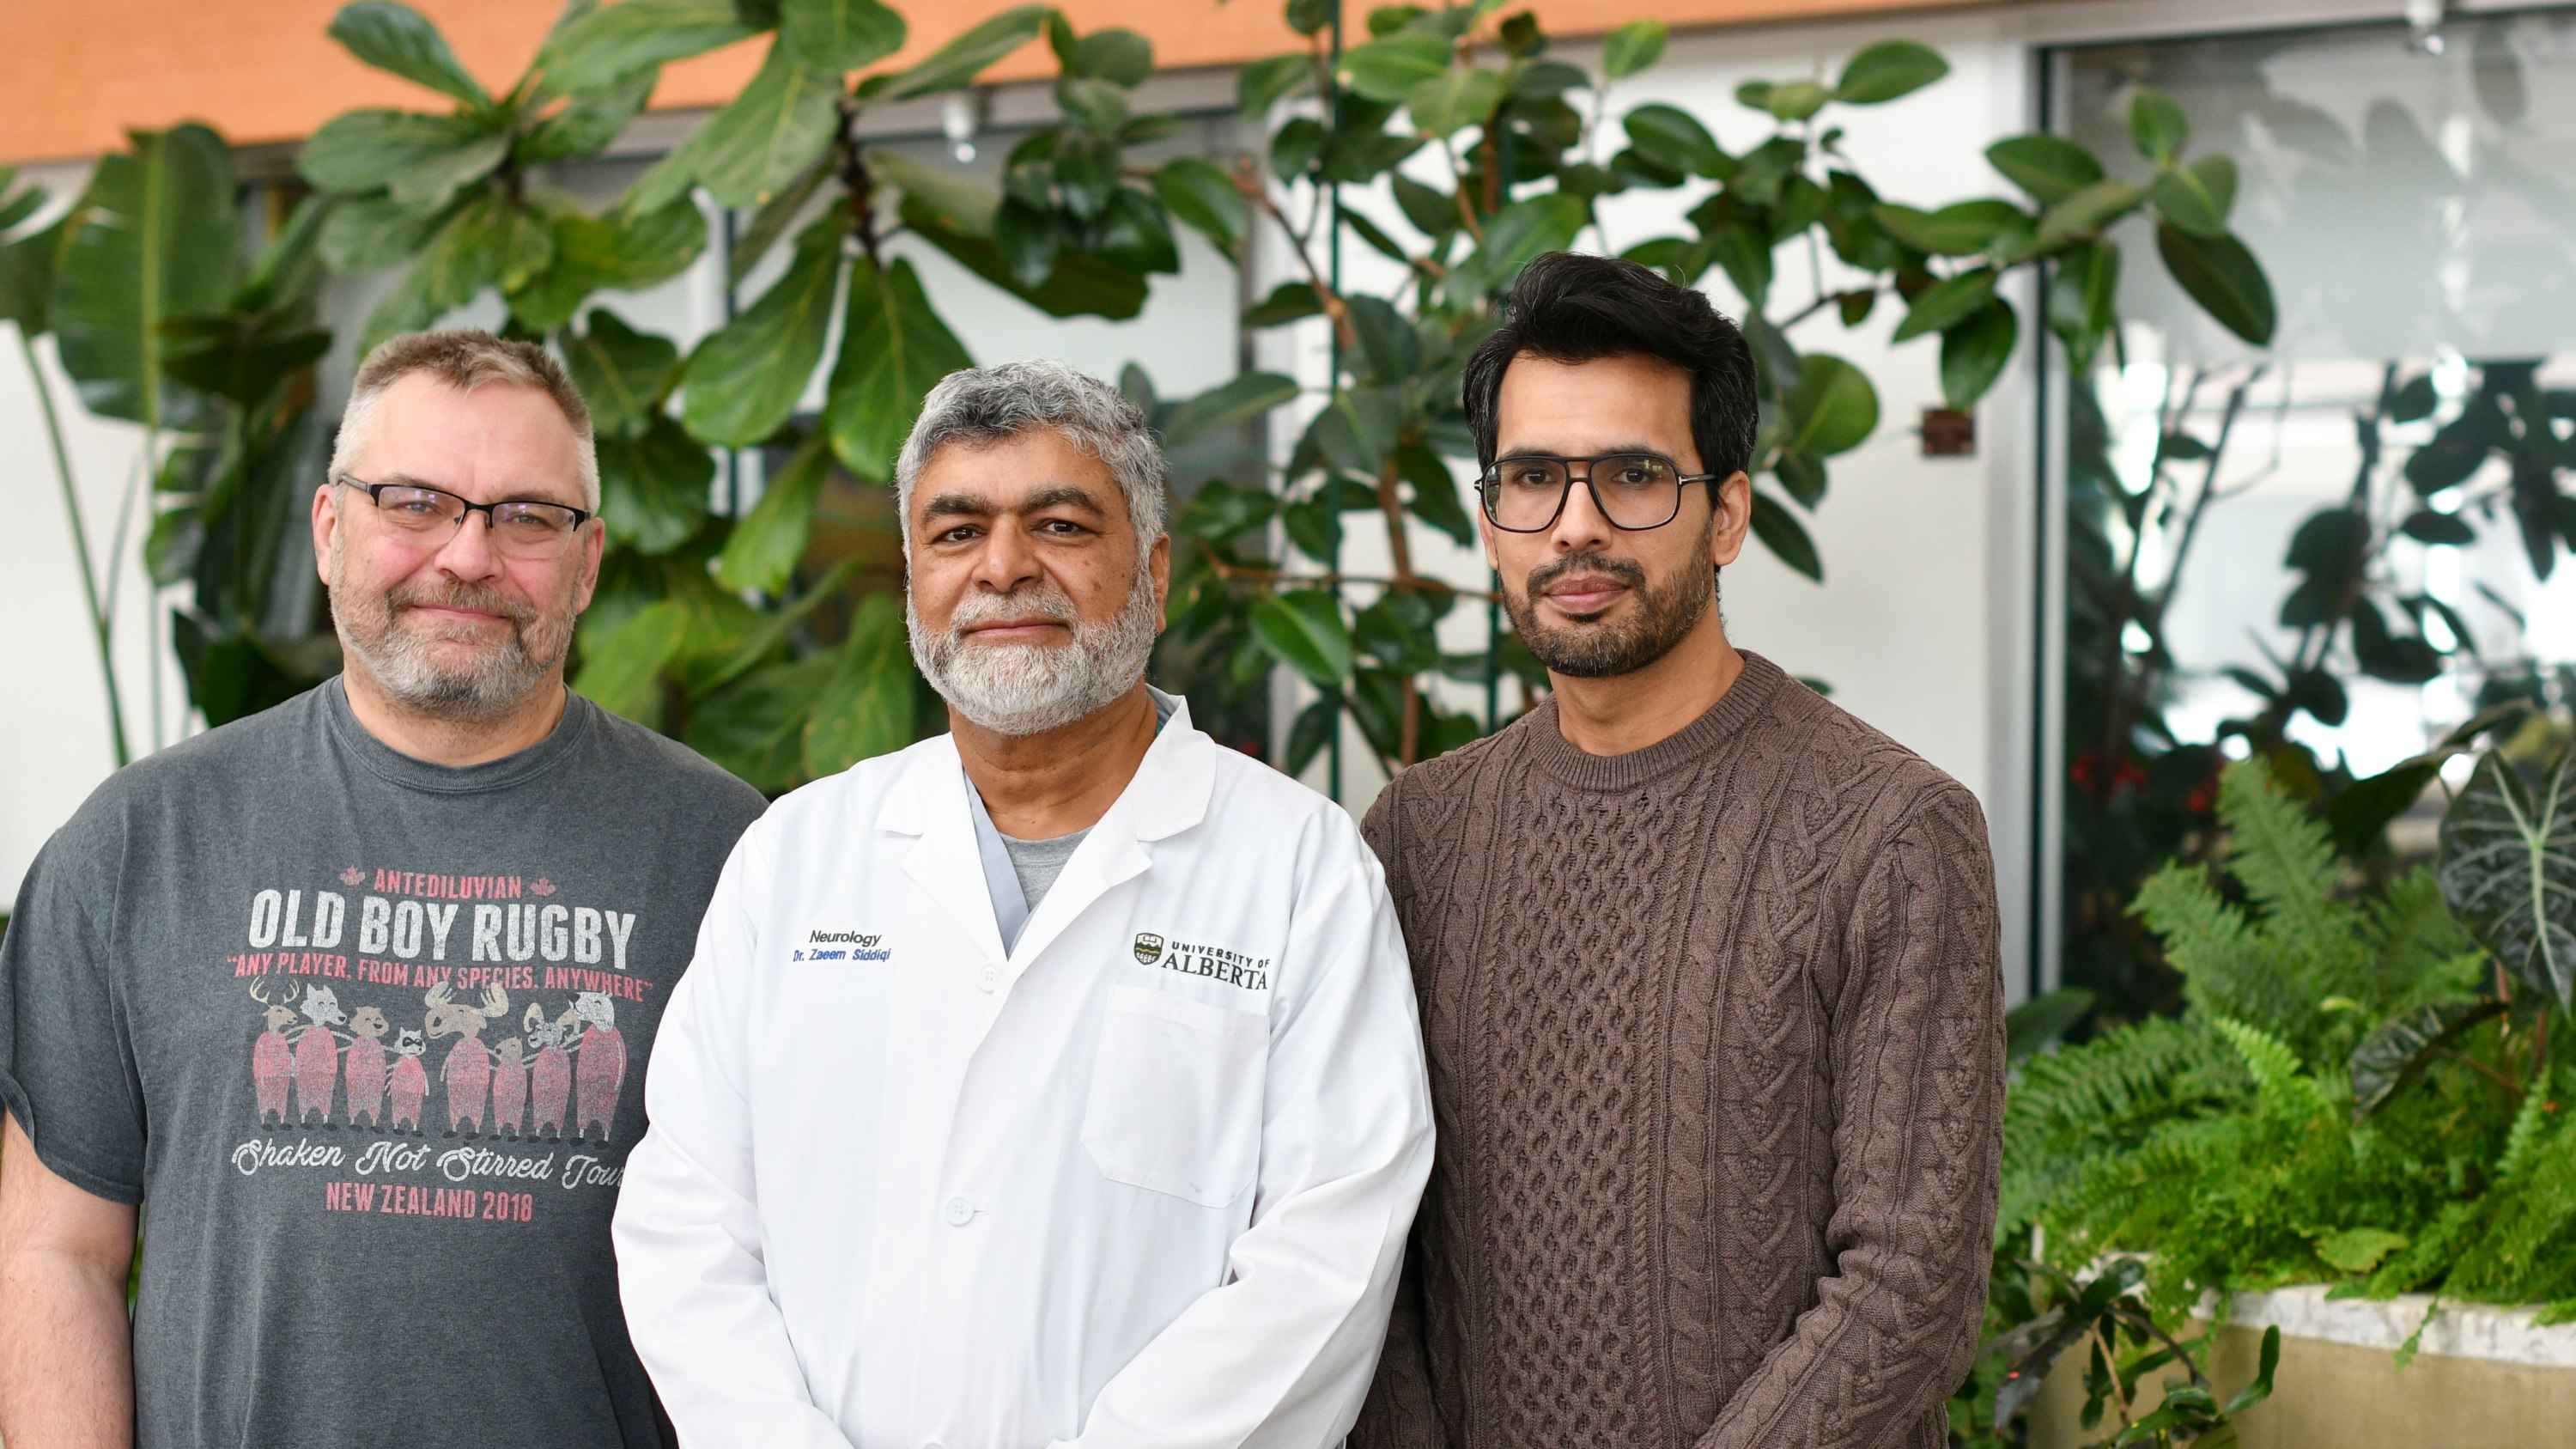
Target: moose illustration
467, 1072
272, 1061
363, 1069
408, 1086
317, 1056
602, 1068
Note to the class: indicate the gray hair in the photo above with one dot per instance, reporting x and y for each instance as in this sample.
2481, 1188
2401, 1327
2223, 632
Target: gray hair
986, 404
464, 360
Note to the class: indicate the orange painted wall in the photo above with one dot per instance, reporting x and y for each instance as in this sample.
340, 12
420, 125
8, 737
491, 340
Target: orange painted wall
74, 74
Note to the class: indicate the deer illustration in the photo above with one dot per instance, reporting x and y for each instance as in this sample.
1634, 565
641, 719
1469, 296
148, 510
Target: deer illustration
271, 1061
467, 1072
364, 1067
551, 1076
509, 1087
602, 1065
407, 1084
317, 1055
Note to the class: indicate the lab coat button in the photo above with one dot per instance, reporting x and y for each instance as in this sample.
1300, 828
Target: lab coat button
958, 1211
988, 977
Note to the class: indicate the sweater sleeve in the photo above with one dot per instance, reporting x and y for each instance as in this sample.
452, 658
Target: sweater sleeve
1917, 1050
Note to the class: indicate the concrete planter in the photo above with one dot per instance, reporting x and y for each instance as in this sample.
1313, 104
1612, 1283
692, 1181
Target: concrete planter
2484, 1378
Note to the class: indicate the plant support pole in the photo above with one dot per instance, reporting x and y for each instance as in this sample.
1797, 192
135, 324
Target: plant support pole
100, 625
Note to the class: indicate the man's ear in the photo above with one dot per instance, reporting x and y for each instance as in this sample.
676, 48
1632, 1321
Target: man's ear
1734, 519
1158, 560
326, 522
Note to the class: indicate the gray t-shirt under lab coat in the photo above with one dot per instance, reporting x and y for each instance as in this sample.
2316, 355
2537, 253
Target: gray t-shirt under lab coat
366, 1037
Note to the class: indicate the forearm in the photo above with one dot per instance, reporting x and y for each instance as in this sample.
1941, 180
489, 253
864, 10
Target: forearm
66, 1354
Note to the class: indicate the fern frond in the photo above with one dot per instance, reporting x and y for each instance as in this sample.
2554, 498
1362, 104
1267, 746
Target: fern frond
2281, 852
2227, 965
2280, 1080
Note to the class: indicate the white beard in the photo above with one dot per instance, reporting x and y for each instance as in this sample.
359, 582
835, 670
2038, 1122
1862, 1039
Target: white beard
1027, 689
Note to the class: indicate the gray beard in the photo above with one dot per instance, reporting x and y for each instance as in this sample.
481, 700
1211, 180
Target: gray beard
403, 661
1027, 689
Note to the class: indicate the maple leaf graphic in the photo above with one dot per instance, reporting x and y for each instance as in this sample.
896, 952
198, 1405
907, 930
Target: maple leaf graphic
352, 876
543, 887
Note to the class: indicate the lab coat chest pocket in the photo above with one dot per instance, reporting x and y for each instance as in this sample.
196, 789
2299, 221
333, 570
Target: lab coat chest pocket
1176, 1096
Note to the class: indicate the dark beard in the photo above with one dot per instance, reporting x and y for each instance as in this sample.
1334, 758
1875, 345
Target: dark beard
1598, 649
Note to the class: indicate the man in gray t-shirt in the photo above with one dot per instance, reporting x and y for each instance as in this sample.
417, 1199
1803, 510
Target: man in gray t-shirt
353, 997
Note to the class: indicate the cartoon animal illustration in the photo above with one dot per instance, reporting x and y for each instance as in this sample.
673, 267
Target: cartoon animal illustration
467, 1072
509, 1087
272, 1063
550, 1085
317, 1056
363, 1069
602, 1068
408, 1085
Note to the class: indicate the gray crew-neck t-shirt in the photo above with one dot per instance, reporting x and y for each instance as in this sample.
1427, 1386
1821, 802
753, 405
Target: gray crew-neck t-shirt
365, 1036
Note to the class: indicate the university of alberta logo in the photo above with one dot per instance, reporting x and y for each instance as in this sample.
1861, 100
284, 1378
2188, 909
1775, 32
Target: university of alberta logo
1149, 948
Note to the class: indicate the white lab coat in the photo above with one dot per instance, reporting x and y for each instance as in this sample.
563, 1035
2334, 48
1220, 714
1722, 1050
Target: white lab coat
1142, 1181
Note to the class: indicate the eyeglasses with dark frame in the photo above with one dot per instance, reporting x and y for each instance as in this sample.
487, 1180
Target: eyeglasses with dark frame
520, 527
1634, 491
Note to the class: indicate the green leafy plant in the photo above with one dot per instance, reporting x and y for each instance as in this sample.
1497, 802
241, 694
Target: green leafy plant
2343, 1099
160, 321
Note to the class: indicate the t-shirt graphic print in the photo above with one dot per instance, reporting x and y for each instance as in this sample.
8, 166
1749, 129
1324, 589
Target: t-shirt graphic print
366, 1039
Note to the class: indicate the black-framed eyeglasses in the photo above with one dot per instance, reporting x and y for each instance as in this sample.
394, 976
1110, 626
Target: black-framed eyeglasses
1635, 491
520, 527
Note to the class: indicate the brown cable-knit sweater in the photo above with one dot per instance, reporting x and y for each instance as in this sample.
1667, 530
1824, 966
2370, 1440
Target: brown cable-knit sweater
1717, 1055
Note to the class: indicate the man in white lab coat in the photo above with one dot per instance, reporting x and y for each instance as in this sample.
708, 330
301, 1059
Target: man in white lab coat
1052, 1082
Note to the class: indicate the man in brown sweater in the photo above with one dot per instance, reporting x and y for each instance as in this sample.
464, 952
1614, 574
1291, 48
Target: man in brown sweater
1708, 968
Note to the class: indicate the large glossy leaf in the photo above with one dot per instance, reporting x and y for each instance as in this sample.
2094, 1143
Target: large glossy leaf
765, 545
1388, 68
2223, 277
621, 668
155, 236
1778, 529
588, 123
755, 726
2400, 1048
1673, 137
620, 371
393, 37
1228, 403
1203, 197
1513, 236
1303, 629
2157, 125
961, 60
2508, 870
1832, 408
357, 152
1633, 47
2050, 168
1973, 353
894, 350
837, 36
618, 252
759, 142
653, 488
866, 709
429, 181
1889, 69
2081, 295
462, 258
1961, 229
744, 379
2086, 211
1948, 303
367, 233
1453, 100
616, 41
27, 278
1082, 284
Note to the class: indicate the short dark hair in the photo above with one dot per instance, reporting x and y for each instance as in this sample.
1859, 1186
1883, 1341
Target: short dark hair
1568, 307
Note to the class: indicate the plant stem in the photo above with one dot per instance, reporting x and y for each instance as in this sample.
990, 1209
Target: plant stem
99, 622
2512, 1087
